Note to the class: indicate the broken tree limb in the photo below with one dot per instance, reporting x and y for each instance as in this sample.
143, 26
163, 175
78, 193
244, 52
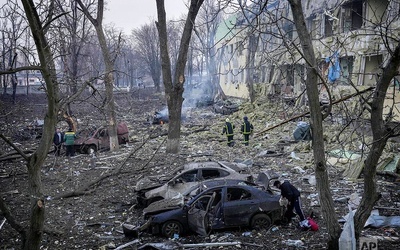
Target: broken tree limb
308, 112
158, 148
14, 147
388, 208
388, 174
2, 223
127, 244
218, 244
85, 189
11, 220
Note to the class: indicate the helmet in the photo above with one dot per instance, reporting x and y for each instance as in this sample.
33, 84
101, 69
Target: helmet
227, 119
245, 118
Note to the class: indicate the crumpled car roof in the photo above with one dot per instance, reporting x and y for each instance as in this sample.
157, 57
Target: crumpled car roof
149, 182
180, 199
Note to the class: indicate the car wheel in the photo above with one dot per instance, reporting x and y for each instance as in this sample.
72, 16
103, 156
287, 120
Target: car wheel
170, 228
260, 221
91, 149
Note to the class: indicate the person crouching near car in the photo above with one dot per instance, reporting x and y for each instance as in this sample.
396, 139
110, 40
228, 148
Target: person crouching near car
292, 195
69, 139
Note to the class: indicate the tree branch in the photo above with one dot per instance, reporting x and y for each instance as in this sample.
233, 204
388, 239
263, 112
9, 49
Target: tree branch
14, 147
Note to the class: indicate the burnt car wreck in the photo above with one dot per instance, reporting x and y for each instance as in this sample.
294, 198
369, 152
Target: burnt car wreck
221, 207
154, 188
92, 139
160, 117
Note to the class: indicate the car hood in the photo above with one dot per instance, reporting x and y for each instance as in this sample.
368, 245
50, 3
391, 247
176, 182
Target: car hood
150, 182
164, 205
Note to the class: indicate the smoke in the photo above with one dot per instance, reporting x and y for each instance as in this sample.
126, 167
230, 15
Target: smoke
197, 95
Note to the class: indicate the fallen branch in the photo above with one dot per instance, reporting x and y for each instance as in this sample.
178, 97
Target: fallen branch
388, 208
2, 223
11, 220
308, 112
388, 173
14, 147
127, 244
14, 155
84, 189
147, 163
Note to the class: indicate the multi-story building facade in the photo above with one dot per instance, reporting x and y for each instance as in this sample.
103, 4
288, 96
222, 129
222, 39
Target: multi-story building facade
350, 39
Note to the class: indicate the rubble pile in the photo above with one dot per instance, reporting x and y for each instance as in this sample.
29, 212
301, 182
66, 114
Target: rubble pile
93, 217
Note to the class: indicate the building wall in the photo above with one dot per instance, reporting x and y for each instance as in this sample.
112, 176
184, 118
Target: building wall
350, 30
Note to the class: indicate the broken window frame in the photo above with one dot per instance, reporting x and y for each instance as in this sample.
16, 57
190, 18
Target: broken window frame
312, 25
328, 26
352, 15
350, 64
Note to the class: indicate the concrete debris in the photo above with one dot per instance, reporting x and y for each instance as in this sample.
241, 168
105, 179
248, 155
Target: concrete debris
354, 200
310, 179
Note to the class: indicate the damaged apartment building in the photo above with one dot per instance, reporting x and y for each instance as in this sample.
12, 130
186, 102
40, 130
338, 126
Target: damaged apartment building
350, 39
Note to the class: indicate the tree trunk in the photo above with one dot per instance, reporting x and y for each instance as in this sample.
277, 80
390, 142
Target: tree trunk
109, 84
253, 43
174, 87
109, 72
36, 160
380, 135
321, 173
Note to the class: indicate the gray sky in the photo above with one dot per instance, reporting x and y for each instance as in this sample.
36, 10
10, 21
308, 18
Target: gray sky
130, 14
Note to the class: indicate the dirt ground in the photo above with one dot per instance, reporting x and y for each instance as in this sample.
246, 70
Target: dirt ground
92, 219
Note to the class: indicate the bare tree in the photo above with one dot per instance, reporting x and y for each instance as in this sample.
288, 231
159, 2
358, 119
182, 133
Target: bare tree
11, 32
109, 71
210, 17
174, 84
31, 238
147, 46
321, 172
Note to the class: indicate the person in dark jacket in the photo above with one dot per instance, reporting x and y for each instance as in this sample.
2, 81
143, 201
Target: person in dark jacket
69, 139
58, 139
228, 130
247, 130
292, 194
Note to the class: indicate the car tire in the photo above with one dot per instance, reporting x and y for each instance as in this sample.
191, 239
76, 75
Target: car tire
170, 228
91, 148
260, 221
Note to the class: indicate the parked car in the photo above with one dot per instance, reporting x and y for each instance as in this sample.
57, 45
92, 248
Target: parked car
220, 207
151, 189
94, 139
180, 199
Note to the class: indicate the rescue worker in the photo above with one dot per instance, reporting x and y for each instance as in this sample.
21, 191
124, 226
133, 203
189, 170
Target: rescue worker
292, 195
228, 130
247, 130
69, 139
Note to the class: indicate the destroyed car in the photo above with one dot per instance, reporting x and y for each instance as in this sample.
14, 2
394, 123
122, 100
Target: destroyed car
151, 189
220, 207
94, 139
226, 107
182, 198
35, 128
160, 117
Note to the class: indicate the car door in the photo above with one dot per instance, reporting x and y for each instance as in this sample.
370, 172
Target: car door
239, 205
198, 220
